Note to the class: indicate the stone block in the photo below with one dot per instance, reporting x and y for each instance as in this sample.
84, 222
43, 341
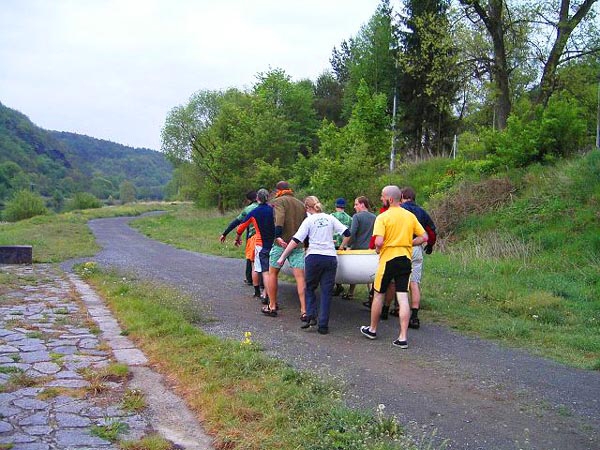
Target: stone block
16, 254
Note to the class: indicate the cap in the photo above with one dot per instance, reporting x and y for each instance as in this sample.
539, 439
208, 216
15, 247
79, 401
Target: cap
340, 203
282, 185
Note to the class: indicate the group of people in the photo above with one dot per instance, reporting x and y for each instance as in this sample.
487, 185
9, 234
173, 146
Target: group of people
280, 227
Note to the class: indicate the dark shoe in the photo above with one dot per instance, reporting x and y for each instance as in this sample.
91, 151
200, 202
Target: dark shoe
267, 311
264, 300
385, 312
414, 323
400, 344
309, 324
257, 295
348, 296
304, 317
394, 312
248, 282
323, 330
368, 333
368, 304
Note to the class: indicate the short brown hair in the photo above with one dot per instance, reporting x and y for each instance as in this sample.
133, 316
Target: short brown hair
408, 193
364, 200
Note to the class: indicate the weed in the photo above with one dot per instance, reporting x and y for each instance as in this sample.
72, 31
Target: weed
35, 335
62, 310
110, 430
150, 442
133, 400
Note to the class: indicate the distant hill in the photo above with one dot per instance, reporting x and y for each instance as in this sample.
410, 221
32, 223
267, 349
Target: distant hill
56, 163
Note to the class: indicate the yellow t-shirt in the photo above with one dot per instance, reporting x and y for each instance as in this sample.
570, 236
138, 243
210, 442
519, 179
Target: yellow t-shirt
398, 228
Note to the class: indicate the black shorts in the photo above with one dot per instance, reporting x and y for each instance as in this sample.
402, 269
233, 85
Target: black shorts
396, 270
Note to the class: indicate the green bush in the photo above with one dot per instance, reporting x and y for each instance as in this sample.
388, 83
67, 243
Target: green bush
540, 135
23, 205
83, 200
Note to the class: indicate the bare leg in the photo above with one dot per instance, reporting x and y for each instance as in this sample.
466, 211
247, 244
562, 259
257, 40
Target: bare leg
272, 283
404, 314
351, 290
390, 294
376, 310
415, 295
301, 287
266, 278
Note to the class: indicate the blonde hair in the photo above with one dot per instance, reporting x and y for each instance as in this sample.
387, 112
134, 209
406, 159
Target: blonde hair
313, 202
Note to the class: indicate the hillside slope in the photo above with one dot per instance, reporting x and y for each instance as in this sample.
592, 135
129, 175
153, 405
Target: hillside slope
58, 163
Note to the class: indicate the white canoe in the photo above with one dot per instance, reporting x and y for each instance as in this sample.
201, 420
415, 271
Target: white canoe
354, 266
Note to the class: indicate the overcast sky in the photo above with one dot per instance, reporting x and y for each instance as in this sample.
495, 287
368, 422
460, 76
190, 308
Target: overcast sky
112, 69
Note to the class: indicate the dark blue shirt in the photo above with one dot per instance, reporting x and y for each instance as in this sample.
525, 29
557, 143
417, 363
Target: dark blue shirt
421, 214
265, 222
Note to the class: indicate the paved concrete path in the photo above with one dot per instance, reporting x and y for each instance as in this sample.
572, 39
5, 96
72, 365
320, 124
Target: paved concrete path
56, 337
474, 393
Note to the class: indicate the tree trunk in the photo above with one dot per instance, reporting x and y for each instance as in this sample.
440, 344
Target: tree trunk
564, 28
493, 21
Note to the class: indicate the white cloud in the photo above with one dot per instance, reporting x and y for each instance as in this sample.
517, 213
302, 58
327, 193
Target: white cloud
113, 69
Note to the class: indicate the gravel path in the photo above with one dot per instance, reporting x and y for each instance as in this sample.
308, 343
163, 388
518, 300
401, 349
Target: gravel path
473, 393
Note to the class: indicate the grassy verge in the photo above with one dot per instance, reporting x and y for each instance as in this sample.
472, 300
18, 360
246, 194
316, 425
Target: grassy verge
245, 399
58, 237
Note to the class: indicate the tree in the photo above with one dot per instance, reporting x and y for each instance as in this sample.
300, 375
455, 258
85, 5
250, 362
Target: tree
328, 98
369, 56
187, 137
541, 18
428, 76
127, 192
564, 21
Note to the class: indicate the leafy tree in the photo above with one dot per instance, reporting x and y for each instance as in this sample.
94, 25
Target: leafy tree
82, 200
187, 137
355, 152
293, 104
428, 83
23, 205
329, 94
504, 21
127, 192
370, 56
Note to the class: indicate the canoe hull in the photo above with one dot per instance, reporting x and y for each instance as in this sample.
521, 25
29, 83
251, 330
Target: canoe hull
354, 266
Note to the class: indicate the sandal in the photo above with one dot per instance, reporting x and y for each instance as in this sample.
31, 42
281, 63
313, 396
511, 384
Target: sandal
267, 311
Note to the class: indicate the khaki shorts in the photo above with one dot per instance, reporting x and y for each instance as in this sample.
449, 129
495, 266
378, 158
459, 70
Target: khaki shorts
295, 259
417, 264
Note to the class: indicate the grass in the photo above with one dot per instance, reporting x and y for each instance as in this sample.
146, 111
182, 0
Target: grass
110, 430
150, 442
58, 237
246, 399
189, 228
133, 400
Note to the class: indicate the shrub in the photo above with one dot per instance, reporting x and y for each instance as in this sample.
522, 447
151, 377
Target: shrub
470, 198
541, 135
83, 200
23, 205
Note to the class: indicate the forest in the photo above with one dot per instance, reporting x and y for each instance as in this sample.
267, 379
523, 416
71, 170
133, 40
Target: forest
484, 85
57, 165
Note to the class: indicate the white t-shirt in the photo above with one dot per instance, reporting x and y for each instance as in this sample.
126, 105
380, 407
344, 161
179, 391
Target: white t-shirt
320, 228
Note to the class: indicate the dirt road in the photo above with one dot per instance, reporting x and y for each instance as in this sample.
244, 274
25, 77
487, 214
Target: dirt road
475, 394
